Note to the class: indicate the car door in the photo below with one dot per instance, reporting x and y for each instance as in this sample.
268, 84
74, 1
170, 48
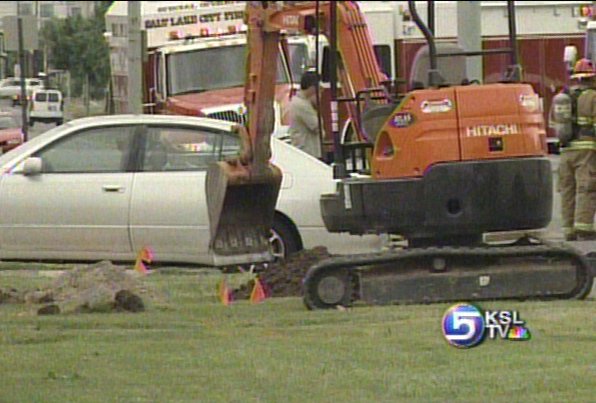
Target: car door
78, 206
169, 207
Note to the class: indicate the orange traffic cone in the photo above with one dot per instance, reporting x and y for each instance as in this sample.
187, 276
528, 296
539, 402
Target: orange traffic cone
225, 294
258, 293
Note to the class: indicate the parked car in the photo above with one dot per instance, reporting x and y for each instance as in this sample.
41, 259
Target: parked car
46, 106
105, 187
11, 135
11, 88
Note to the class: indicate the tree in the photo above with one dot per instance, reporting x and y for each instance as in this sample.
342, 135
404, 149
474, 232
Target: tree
77, 44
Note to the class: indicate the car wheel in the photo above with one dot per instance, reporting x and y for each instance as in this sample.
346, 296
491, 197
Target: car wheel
31, 123
59, 122
284, 238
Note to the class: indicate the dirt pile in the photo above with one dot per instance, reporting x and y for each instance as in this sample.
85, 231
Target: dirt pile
100, 287
284, 278
10, 296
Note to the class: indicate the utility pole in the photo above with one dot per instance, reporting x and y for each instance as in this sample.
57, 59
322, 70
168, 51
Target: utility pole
135, 64
339, 166
469, 35
25, 127
44, 54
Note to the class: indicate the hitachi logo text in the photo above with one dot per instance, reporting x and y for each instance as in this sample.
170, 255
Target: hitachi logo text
492, 130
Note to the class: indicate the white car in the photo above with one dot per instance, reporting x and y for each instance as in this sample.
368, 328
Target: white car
11, 87
105, 187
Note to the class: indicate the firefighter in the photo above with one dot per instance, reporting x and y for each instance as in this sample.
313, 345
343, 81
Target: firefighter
574, 117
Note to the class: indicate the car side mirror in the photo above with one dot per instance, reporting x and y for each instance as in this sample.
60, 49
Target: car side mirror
32, 166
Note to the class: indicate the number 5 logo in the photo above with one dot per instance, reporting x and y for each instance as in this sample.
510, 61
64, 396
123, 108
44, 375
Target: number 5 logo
463, 325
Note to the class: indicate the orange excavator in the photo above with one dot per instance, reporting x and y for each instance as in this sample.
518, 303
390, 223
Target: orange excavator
448, 163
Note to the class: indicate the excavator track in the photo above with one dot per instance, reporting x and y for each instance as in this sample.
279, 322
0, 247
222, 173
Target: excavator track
442, 274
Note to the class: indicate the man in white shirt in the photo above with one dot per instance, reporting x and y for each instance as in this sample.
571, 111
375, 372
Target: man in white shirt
304, 121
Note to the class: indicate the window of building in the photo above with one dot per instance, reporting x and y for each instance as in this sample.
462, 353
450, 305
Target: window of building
119, 30
46, 10
75, 12
25, 8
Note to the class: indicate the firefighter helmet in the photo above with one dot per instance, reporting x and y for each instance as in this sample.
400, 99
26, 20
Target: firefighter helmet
584, 68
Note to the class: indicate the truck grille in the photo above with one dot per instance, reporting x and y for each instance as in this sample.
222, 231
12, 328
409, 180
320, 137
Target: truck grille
230, 116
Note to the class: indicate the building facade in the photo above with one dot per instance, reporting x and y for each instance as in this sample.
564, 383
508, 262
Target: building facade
43, 11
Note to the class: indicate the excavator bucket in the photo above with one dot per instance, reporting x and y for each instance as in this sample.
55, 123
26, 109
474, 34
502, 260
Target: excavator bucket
241, 204
242, 193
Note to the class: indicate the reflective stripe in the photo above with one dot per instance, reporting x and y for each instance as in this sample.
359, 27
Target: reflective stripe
584, 121
580, 145
583, 227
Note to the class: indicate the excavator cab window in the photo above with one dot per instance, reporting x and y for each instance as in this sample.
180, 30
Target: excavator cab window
310, 24
326, 73
383, 54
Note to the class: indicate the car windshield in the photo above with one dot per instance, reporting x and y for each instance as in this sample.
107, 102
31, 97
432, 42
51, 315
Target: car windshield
7, 122
210, 69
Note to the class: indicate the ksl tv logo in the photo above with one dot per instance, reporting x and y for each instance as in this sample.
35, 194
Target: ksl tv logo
465, 326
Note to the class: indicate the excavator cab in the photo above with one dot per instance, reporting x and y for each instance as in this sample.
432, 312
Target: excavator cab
449, 159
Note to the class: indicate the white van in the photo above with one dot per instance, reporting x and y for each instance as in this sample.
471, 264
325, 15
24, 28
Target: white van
46, 106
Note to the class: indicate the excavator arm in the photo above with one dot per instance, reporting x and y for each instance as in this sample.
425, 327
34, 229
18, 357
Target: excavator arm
242, 193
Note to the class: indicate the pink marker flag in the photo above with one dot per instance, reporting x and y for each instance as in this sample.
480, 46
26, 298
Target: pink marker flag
145, 256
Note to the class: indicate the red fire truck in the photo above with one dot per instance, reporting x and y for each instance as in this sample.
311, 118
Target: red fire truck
195, 51
195, 58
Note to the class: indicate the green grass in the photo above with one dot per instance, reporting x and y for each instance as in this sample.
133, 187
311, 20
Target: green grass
75, 108
187, 347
